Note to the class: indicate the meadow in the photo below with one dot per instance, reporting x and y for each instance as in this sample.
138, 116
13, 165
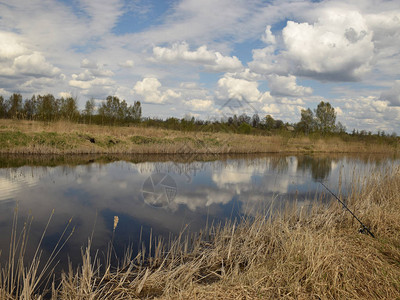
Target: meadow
62, 137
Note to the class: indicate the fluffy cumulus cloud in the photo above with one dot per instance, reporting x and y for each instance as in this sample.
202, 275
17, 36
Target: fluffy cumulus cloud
240, 89
268, 37
212, 60
95, 69
16, 60
94, 80
34, 64
286, 86
199, 104
149, 89
337, 47
392, 95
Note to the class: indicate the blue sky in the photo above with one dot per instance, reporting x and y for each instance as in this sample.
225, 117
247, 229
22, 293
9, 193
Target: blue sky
186, 58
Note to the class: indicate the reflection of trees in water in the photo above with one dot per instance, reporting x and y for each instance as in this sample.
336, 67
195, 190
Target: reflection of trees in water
320, 167
280, 164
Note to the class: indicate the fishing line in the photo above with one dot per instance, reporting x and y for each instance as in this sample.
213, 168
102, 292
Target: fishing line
364, 228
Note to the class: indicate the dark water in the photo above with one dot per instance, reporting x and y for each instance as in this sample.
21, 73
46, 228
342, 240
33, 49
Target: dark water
162, 195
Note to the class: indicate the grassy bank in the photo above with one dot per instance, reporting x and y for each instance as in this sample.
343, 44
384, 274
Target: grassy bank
300, 253
30, 137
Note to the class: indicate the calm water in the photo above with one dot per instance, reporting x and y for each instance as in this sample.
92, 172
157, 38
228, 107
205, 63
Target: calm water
158, 194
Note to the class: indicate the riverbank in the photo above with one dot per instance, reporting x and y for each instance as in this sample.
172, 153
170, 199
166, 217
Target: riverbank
302, 252
33, 137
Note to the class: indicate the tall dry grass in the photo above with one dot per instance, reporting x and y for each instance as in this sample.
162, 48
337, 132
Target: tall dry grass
296, 253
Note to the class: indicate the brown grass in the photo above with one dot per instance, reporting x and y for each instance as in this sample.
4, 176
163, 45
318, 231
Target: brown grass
30, 137
299, 253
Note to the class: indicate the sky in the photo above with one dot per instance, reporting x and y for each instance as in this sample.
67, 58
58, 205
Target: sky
211, 58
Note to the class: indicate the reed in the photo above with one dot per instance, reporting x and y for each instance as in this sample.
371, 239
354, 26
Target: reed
294, 253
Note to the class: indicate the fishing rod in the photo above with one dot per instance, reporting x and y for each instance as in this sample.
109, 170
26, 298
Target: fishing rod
363, 227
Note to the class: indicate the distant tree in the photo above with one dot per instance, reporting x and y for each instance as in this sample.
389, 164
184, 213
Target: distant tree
15, 106
269, 122
136, 111
30, 108
89, 109
243, 118
279, 124
340, 128
123, 112
109, 110
47, 108
307, 122
325, 116
255, 121
3, 108
235, 120
69, 109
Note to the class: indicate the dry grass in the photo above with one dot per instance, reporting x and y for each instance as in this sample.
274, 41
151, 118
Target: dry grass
300, 253
30, 137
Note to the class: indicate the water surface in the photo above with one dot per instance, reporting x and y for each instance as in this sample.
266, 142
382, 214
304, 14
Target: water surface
160, 195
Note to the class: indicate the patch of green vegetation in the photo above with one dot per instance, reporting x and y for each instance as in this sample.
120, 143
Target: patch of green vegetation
184, 139
55, 140
13, 139
144, 140
141, 140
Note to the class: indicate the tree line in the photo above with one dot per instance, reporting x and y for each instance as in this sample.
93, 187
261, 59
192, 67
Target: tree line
113, 111
49, 109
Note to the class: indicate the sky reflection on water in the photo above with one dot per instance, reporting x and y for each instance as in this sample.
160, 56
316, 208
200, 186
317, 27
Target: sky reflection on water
93, 193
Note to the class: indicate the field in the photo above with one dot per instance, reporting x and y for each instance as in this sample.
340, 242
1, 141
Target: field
34, 137
300, 252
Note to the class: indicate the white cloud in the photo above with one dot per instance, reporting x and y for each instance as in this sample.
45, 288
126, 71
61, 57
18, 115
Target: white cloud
127, 64
199, 104
16, 60
338, 47
89, 64
189, 85
292, 101
268, 37
97, 87
103, 14
393, 94
271, 108
286, 86
93, 69
11, 47
35, 65
64, 95
265, 61
212, 60
149, 89
240, 89
84, 76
